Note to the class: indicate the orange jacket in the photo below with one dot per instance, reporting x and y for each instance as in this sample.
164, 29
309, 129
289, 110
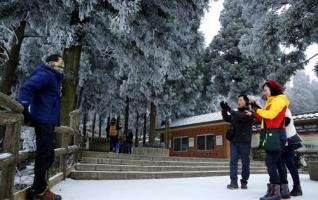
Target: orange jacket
274, 111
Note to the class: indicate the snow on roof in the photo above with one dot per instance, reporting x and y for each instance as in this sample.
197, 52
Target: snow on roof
305, 116
198, 119
217, 116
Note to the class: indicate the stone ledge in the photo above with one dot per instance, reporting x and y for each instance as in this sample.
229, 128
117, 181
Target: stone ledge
313, 170
149, 151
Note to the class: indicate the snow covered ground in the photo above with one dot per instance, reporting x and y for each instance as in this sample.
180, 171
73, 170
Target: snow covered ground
173, 189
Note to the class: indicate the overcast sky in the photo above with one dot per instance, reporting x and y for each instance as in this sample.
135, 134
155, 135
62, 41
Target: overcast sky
210, 26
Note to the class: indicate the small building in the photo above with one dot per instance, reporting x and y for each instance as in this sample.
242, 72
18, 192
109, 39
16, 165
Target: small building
307, 126
204, 135
199, 136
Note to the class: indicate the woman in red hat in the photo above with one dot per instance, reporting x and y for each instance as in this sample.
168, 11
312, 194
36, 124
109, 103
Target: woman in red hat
272, 117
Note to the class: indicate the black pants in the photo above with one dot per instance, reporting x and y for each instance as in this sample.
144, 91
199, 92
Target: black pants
288, 159
275, 166
44, 156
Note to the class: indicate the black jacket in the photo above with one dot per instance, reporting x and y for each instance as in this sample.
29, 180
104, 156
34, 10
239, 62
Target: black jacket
241, 124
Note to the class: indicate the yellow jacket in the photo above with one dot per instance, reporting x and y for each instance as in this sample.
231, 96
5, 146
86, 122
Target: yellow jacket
273, 112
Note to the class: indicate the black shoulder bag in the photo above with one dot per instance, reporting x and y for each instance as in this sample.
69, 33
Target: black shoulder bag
270, 138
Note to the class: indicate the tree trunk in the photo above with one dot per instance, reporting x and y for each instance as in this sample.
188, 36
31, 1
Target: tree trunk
126, 116
167, 133
152, 129
80, 97
84, 123
93, 126
12, 63
108, 126
100, 127
119, 126
145, 129
136, 135
72, 58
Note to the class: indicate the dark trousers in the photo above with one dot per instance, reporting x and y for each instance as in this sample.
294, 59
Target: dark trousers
128, 147
112, 141
44, 156
275, 167
288, 157
240, 150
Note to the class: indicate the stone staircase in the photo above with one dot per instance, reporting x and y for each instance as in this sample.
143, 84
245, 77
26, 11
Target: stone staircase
112, 166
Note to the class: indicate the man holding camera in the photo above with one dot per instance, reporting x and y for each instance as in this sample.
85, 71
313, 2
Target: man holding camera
240, 136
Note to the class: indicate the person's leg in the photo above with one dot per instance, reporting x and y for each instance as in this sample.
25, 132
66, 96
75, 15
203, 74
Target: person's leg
233, 161
273, 189
129, 148
271, 159
233, 166
44, 156
289, 155
282, 170
245, 158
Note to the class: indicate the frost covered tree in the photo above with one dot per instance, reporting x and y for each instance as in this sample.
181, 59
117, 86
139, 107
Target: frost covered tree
281, 31
227, 72
112, 49
302, 94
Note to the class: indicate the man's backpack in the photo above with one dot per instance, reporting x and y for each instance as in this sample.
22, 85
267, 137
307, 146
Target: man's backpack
113, 130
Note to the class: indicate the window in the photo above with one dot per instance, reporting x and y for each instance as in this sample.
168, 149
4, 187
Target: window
205, 142
180, 144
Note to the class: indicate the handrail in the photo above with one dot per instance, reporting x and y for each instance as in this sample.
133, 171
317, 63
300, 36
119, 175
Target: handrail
7, 102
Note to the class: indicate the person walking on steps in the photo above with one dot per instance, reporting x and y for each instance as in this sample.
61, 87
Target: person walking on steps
272, 118
40, 95
293, 143
239, 134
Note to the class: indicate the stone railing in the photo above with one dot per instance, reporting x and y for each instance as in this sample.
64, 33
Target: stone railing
11, 118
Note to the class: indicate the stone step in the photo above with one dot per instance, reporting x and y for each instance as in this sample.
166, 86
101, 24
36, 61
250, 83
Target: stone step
108, 167
123, 175
94, 154
114, 161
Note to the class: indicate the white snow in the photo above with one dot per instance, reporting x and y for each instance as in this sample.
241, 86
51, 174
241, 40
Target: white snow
173, 189
5, 155
209, 117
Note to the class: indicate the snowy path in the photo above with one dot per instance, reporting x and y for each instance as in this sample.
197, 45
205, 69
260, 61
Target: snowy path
173, 189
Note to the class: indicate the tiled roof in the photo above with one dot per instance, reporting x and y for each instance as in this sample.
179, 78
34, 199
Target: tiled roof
306, 116
210, 117
217, 116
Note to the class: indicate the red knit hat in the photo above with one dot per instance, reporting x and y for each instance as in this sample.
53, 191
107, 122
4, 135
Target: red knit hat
275, 85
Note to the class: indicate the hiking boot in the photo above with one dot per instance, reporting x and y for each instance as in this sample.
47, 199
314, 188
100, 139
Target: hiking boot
243, 184
47, 195
284, 191
273, 192
267, 192
232, 185
296, 191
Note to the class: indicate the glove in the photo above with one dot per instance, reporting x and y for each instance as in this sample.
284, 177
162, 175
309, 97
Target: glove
222, 105
227, 107
26, 114
254, 105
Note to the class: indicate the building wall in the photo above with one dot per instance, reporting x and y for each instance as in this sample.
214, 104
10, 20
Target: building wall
220, 150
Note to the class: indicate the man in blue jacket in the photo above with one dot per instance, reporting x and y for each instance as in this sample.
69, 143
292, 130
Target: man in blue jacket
40, 95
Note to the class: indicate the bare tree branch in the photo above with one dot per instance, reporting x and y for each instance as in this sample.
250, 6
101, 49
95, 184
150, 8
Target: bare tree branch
34, 36
6, 28
5, 50
309, 59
